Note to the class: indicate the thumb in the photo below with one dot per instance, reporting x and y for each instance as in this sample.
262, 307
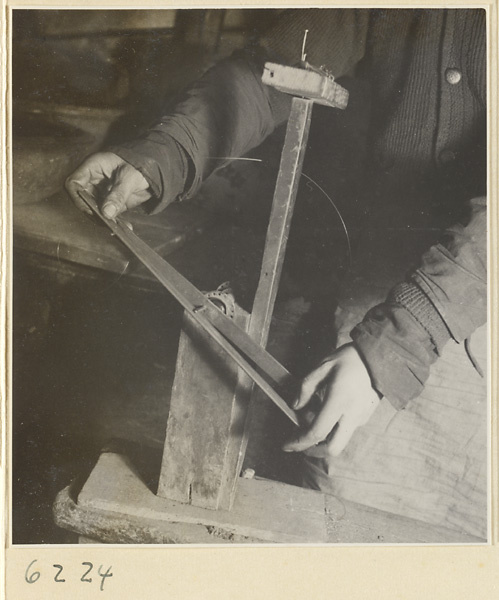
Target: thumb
115, 202
77, 181
311, 383
124, 185
130, 188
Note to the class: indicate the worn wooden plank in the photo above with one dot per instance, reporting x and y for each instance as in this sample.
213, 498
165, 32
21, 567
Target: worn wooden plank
353, 523
115, 506
197, 436
264, 511
54, 228
305, 82
283, 205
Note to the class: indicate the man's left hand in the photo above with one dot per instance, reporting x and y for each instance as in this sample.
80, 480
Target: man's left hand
347, 401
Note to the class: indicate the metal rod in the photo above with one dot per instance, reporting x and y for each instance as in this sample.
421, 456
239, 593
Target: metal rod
202, 311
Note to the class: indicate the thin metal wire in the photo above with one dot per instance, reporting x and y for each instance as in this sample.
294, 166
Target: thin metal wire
115, 280
321, 189
303, 46
235, 158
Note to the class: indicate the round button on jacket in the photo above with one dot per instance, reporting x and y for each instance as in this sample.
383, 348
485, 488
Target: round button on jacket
453, 76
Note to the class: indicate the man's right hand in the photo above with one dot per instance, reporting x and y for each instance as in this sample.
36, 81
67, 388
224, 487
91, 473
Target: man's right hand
116, 185
343, 384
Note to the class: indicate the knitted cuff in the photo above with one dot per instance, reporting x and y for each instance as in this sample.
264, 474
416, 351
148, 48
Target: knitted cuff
414, 300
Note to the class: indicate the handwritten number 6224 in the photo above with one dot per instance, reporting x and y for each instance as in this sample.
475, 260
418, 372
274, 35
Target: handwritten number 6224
32, 576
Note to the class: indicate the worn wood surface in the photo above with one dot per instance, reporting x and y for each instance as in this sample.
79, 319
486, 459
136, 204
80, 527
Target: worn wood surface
306, 83
263, 510
205, 444
55, 228
115, 506
288, 180
204, 392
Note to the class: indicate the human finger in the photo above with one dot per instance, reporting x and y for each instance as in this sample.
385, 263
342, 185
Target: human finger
311, 382
129, 189
79, 180
318, 431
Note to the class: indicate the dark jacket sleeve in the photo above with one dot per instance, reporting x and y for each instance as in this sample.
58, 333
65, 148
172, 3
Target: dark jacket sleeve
229, 111
446, 297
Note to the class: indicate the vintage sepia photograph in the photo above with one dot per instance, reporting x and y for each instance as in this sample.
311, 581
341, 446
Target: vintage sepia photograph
249, 283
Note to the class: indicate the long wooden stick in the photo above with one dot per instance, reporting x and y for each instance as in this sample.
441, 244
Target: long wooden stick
288, 179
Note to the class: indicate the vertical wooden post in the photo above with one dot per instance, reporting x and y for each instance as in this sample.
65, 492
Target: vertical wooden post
206, 385
207, 429
288, 179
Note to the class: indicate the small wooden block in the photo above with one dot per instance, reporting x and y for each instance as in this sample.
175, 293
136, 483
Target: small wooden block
319, 87
206, 388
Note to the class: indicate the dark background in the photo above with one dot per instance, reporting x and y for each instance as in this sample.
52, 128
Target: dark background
94, 348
